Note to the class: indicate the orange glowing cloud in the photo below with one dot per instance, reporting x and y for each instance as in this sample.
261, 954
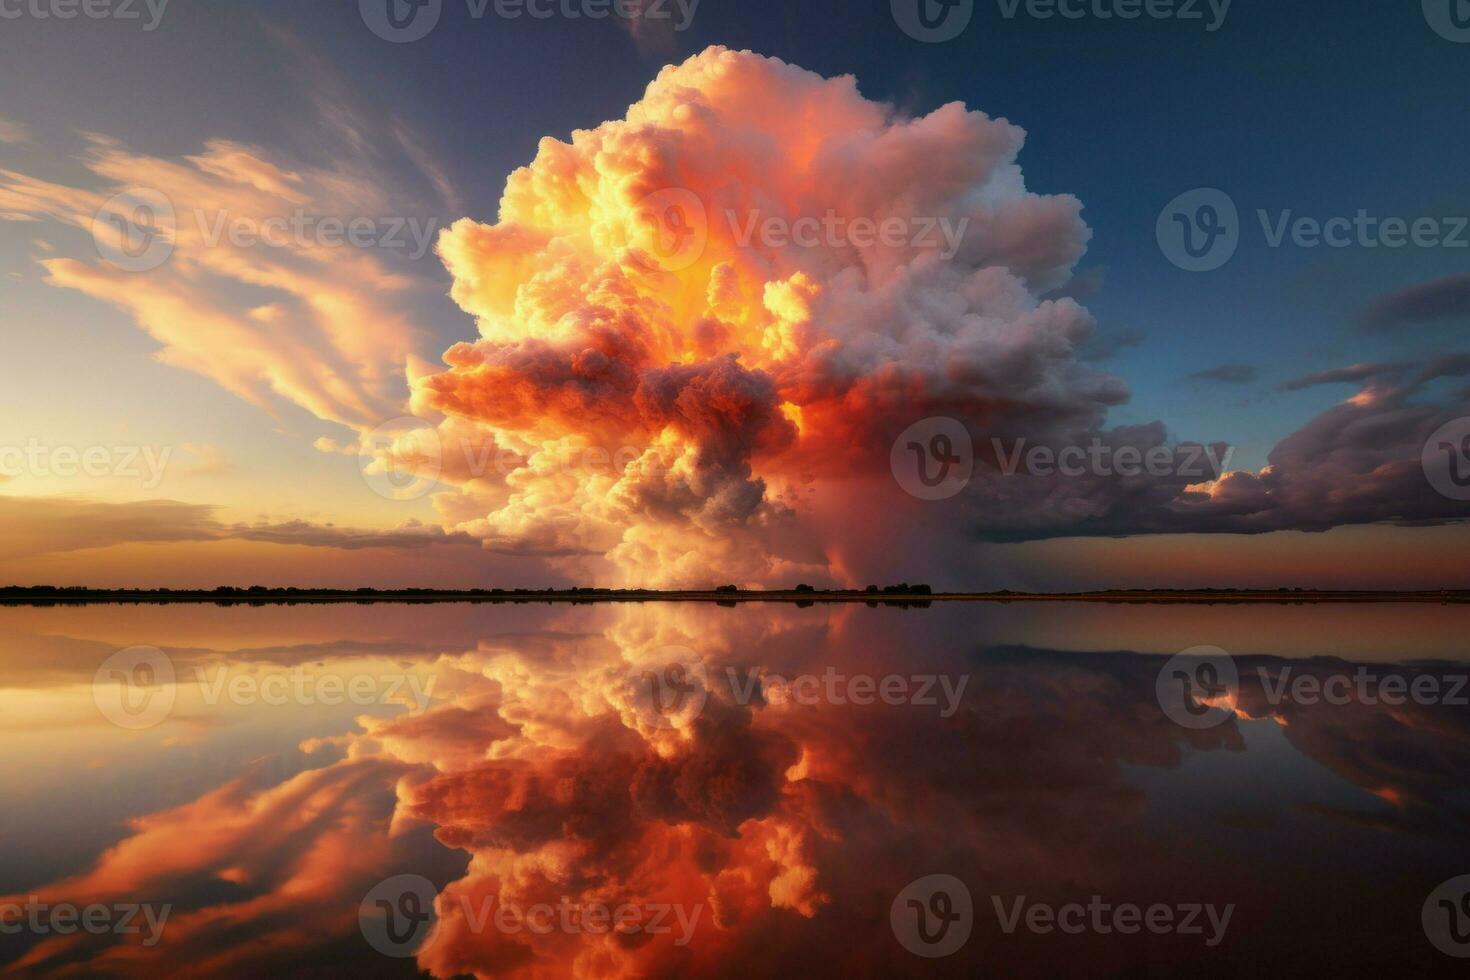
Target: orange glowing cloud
254, 286
634, 296
287, 856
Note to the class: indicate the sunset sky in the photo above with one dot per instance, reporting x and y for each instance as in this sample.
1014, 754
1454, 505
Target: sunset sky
606, 412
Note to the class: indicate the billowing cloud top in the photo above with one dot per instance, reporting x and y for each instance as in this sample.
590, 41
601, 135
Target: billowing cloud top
745, 289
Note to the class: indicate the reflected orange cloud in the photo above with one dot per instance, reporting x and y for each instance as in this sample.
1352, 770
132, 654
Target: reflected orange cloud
267, 862
557, 777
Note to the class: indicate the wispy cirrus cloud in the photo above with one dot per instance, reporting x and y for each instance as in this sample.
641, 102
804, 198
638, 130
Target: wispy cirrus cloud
321, 326
295, 310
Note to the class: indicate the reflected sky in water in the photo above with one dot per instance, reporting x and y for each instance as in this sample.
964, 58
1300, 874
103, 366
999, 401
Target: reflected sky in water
775, 779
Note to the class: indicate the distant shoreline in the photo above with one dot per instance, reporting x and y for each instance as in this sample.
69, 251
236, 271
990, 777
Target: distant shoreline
16, 596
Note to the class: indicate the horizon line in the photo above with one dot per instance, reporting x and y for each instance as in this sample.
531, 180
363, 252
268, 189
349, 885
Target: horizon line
903, 595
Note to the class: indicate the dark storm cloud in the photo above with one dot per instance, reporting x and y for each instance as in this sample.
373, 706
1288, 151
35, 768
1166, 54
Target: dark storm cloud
1358, 462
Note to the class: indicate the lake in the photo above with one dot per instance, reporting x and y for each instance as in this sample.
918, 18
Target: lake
661, 790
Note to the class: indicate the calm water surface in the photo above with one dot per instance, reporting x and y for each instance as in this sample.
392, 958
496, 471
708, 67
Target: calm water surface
689, 790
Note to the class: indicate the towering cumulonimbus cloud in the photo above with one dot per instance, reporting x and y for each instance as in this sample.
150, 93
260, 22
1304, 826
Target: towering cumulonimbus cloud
740, 294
